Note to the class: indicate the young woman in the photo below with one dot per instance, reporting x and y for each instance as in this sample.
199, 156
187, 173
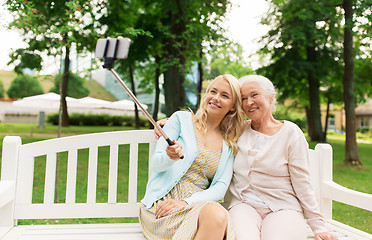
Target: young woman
180, 196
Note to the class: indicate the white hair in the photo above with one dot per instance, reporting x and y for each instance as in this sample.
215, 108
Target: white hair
265, 84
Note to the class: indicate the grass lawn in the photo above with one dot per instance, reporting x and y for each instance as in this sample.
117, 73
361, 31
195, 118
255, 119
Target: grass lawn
358, 178
28, 129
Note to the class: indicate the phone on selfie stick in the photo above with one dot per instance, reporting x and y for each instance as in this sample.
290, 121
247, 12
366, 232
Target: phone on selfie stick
112, 49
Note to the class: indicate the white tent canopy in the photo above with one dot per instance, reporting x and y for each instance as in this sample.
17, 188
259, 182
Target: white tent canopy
44, 101
50, 102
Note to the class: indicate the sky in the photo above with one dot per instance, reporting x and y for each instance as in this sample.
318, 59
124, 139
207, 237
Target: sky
242, 27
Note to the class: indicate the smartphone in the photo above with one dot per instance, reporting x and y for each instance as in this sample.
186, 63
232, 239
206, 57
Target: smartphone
116, 48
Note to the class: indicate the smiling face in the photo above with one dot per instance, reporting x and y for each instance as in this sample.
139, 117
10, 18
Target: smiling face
219, 97
256, 102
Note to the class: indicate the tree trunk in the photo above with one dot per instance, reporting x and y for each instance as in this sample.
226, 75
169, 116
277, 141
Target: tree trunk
65, 78
316, 131
157, 91
308, 117
137, 122
63, 119
351, 147
174, 92
326, 119
200, 80
174, 48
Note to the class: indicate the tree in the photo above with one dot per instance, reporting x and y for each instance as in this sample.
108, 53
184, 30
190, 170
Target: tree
177, 30
303, 47
351, 151
228, 58
130, 17
24, 85
76, 88
188, 24
54, 27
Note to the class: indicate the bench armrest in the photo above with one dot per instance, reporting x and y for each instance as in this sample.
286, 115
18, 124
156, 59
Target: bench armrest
7, 191
334, 191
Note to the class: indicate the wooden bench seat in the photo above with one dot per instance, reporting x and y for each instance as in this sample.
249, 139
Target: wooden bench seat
17, 187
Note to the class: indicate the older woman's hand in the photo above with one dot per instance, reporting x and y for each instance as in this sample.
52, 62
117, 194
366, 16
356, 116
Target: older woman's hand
160, 123
325, 236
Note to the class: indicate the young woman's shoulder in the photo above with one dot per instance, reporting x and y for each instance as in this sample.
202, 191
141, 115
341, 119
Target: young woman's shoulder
181, 115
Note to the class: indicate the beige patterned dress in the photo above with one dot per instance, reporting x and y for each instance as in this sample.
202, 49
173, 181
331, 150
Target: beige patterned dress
182, 223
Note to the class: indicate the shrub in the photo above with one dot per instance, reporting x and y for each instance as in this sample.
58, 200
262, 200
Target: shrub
283, 113
75, 89
90, 119
24, 85
1, 88
364, 129
53, 118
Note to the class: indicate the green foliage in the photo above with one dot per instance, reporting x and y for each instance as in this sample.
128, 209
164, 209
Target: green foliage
55, 28
24, 85
227, 58
28, 60
76, 87
287, 113
365, 130
2, 88
363, 78
298, 27
48, 26
81, 119
177, 28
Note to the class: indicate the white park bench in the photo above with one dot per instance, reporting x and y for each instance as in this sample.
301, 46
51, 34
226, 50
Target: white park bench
17, 177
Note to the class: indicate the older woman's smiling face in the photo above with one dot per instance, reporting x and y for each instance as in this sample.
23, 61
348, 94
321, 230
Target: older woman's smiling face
256, 102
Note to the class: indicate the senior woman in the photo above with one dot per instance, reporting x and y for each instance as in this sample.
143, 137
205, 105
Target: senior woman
271, 190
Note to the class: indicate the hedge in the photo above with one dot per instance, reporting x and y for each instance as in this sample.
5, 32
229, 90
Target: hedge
83, 119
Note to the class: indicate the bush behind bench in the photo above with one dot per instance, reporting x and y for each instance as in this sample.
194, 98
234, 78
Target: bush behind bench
83, 119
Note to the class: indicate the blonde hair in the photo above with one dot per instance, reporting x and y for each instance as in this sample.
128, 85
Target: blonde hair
265, 84
232, 124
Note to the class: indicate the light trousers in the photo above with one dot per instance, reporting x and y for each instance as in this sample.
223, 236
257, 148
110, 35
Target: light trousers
262, 224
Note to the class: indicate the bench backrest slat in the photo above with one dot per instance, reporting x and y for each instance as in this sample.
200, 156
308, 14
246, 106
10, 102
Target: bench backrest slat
71, 176
50, 178
133, 172
92, 175
113, 174
25, 183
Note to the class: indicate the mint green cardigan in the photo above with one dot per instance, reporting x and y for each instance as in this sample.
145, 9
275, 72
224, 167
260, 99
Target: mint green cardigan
165, 172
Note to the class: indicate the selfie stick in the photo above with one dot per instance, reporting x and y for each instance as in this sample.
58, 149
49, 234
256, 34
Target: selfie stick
109, 64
